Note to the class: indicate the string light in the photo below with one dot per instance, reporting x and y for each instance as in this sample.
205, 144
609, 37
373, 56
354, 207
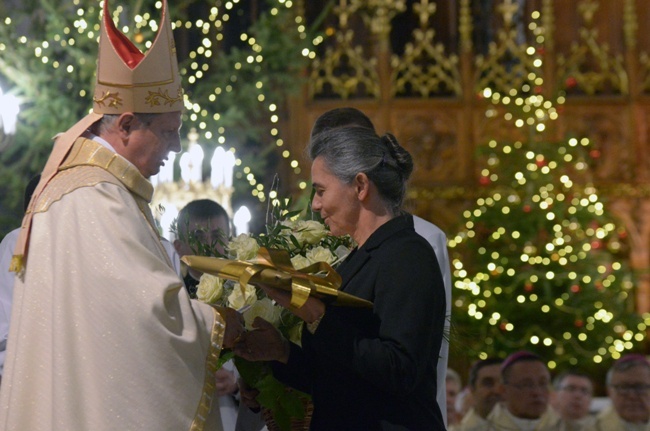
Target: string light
544, 241
211, 28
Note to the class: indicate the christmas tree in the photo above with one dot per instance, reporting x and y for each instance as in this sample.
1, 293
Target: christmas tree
539, 263
238, 69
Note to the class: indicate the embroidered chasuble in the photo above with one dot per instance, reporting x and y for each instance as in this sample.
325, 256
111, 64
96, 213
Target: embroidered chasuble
103, 333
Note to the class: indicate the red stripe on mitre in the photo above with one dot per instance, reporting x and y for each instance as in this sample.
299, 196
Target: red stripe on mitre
128, 52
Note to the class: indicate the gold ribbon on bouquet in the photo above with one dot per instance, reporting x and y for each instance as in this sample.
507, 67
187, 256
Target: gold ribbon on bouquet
274, 268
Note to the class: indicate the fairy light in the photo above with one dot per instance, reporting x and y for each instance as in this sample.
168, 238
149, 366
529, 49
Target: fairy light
563, 249
211, 28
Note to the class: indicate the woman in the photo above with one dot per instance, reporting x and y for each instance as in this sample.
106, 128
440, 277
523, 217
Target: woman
366, 369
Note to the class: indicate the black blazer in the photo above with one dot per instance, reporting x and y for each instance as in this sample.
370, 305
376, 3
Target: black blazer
375, 369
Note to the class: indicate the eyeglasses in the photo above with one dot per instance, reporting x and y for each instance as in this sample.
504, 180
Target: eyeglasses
632, 389
576, 389
529, 386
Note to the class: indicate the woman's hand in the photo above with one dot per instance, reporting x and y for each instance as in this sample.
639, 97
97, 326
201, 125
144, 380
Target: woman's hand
311, 310
263, 343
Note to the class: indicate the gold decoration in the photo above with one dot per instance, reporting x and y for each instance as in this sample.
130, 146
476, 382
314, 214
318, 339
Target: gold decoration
630, 24
465, 26
602, 69
507, 64
162, 97
424, 67
548, 23
273, 268
114, 99
358, 73
508, 9
379, 14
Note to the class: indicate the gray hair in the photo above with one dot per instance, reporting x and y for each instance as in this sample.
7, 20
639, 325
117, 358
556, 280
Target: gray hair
348, 151
108, 121
453, 376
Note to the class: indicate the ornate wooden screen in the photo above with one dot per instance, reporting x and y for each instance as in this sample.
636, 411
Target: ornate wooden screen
418, 67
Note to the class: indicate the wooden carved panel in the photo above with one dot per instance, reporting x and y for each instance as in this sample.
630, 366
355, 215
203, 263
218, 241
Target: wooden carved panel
608, 132
432, 140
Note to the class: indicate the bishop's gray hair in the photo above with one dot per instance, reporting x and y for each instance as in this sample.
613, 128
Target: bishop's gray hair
108, 121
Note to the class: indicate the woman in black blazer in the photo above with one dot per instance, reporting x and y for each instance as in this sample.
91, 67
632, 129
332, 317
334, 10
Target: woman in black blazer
366, 369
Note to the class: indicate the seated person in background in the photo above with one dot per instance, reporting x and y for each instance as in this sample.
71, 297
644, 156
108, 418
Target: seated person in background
201, 221
525, 382
628, 386
453, 385
484, 384
464, 401
205, 221
572, 399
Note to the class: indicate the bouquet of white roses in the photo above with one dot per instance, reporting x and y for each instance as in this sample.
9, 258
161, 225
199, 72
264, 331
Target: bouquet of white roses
307, 242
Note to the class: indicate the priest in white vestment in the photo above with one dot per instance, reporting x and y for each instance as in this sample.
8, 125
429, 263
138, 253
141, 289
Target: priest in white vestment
103, 334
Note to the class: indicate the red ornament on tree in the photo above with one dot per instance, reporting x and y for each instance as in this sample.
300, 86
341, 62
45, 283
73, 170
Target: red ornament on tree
571, 82
484, 181
502, 326
578, 323
540, 163
596, 244
575, 288
528, 287
526, 208
594, 153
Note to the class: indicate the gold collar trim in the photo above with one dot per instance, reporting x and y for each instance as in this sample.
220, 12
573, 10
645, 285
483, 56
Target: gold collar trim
86, 152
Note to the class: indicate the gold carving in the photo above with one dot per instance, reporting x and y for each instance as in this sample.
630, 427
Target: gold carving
645, 72
424, 69
507, 64
465, 26
162, 97
630, 24
109, 98
590, 66
548, 24
380, 12
344, 68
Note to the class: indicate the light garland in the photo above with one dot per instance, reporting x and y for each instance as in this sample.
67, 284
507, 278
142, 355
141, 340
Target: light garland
565, 250
199, 67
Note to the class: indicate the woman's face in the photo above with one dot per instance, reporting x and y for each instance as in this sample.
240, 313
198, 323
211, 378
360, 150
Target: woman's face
336, 201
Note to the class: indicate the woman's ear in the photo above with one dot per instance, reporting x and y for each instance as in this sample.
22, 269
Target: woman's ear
362, 186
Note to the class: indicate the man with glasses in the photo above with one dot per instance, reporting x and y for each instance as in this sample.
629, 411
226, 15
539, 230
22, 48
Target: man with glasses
525, 382
572, 399
628, 387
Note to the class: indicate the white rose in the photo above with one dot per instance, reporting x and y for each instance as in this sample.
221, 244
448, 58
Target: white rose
320, 254
237, 299
341, 252
243, 247
309, 231
209, 289
299, 261
265, 309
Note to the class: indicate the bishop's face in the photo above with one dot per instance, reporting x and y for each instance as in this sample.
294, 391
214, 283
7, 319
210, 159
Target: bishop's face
151, 142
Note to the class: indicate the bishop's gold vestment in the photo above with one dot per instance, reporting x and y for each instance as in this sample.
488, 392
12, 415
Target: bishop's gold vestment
103, 334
